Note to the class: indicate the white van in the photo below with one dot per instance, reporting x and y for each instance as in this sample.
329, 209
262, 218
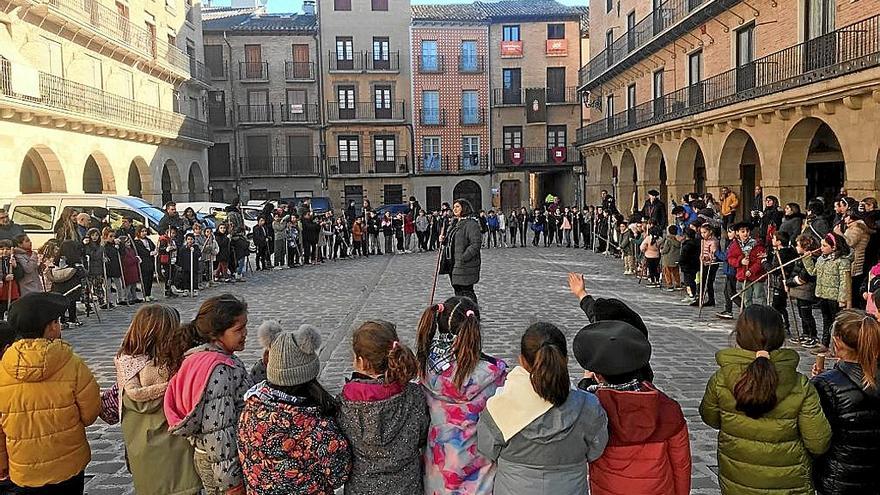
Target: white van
40, 214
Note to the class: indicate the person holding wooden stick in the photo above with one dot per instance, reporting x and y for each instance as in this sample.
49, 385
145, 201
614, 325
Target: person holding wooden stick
781, 254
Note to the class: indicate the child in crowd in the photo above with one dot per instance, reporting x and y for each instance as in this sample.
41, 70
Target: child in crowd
93, 250
279, 226
151, 353
832, 272
49, 398
26, 260
340, 239
224, 253
267, 332
167, 258
458, 379
261, 241
409, 230
648, 450
776, 260
539, 430
10, 273
708, 247
131, 274
67, 274
746, 255
625, 244
689, 263
210, 250
802, 288
651, 248
188, 260
357, 237
383, 414
398, 232
729, 272
768, 415
146, 253
293, 252
492, 224
670, 252
204, 399
113, 266
850, 398
288, 439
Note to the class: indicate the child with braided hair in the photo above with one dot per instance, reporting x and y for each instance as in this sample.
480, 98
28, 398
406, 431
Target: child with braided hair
458, 379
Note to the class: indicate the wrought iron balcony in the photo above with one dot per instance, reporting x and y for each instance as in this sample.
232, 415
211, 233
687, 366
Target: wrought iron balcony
368, 165
502, 97
72, 100
256, 114
253, 71
452, 164
535, 157
279, 166
199, 72
431, 64
299, 71
471, 64
471, 116
563, 96
305, 113
342, 62
432, 116
218, 116
366, 111
382, 61
849, 49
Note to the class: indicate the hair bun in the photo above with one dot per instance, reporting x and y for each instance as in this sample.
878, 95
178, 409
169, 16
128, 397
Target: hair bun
308, 339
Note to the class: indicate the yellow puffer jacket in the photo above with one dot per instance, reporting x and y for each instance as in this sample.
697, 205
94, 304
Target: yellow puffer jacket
47, 398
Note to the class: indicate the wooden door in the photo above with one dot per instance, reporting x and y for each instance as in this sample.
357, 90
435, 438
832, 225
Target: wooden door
301, 62
510, 195
253, 61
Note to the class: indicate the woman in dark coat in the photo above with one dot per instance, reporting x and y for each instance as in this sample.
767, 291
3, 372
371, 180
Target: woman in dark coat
465, 240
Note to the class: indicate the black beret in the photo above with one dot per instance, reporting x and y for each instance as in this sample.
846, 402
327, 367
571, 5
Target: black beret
32, 312
611, 348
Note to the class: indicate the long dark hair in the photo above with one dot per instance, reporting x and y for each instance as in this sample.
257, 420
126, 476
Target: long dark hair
543, 349
467, 209
215, 316
458, 317
759, 328
312, 391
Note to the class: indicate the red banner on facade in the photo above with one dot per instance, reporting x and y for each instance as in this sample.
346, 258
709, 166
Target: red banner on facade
559, 154
557, 48
517, 155
511, 49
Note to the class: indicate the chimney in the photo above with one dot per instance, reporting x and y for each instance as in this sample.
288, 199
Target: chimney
309, 7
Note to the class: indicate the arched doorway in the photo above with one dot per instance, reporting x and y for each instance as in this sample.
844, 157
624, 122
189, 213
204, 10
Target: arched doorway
471, 191
740, 164
655, 171
41, 172
135, 185
140, 180
690, 167
627, 187
812, 156
170, 181
98, 175
606, 175
196, 183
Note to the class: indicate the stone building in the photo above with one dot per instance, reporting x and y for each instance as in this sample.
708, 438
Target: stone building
103, 96
265, 104
695, 95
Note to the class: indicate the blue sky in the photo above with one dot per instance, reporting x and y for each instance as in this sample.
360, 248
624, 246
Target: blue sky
296, 5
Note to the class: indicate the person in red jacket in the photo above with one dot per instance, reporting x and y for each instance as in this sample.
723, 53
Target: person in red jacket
746, 254
648, 449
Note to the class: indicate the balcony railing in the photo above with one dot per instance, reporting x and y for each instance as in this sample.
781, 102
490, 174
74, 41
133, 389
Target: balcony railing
299, 112
200, 72
119, 29
849, 49
253, 71
366, 165
383, 61
452, 164
279, 166
219, 73
471, 64
562, 96
256, 114
508, 97
471, 116
299, 71
345, 64
432, 116
536, 157
75, 99
431, 64
394, 110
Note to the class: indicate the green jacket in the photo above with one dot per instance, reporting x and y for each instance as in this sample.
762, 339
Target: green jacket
771, 455
833, 279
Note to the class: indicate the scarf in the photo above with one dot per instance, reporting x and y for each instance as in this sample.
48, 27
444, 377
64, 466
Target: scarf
633, 385
516, 405
441, 356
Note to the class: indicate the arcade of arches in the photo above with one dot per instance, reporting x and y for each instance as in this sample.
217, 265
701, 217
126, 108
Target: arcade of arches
793, 156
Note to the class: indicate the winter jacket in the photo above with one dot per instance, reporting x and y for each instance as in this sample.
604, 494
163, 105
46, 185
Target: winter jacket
203, 402
545, 455
113, 260
160, 463
452, 463
721, 256
387, 429
801, 285
708, 248
465, 239
857, 236
144, 248
626, 243
224, 247
752, 250
187, 258
287, 446
422, 224
280, 229
29, 265
729, 203
131, 273
770, 455
689, 261
648, 447
851, 465
94, 259
833, 280
210, 249
786, 254
792, 225
261, 236
48, 397
651, 250
670, 251
816, 226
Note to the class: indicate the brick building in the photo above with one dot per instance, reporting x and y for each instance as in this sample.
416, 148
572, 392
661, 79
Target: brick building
265, 105
699, 94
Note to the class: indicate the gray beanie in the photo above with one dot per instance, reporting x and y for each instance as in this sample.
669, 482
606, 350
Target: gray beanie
293, 358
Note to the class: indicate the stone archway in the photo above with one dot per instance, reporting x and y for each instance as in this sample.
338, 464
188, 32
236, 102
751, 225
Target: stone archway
627, 183
140, 180
812, 163
655, 171
170, 180
740, 164
98, 175
41, 172
196, 182
471, 191
606, 173
690, 166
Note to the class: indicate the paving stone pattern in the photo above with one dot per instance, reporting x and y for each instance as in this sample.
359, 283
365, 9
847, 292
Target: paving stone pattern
519, 286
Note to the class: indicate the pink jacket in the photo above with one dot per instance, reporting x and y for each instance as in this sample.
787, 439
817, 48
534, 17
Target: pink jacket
651, 251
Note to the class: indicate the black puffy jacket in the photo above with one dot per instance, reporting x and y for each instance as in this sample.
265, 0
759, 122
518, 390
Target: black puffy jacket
852, 464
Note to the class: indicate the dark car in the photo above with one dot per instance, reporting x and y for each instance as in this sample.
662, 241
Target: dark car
394, 209
320, 205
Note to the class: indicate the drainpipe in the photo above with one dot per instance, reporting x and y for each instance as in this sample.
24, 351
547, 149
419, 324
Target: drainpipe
322, 135
237, 167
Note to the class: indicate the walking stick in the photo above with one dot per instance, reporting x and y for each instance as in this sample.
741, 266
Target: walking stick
594, 226
191, 275
788, 294
122, 275
437, 266
702, 286
106, 282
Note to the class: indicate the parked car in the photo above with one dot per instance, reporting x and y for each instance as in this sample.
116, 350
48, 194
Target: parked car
320, 204
217, 211
394, 209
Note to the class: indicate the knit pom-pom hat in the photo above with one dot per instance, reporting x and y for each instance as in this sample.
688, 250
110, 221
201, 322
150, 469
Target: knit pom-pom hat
268, 331
293, 357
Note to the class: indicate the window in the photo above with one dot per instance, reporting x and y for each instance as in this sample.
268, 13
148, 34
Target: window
53, 60
609, 53
384, 150
382, 102
214, 60
470, 152
631, 31
431, 152
344, 53
94, 76
511, 33
555, 84
258, 156
217, 108
345, 97
349, 154
555, 31
341, 5
430, 59
469, 62
393, 194
557, 136
512, 86
609, 106
657, 93
512, 137
433, 197
296, 110
745, 56
302, 67
34, 217
218, 161
381, 53
430, 107
380, 5
695, 67
470, 107
253, 62
609, 39
631, 103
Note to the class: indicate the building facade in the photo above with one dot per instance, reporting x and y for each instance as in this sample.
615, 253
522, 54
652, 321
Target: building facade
697, 95
450, 66
368, 132
103, 97
265, 104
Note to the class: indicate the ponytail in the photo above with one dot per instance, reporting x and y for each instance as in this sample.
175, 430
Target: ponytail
425, 335
377, 343
467, 348
543, 349
402, 364
860, 332
760, 330
457, 319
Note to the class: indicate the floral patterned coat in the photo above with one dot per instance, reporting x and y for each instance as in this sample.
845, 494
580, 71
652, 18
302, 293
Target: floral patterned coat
452, 464
287, 446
